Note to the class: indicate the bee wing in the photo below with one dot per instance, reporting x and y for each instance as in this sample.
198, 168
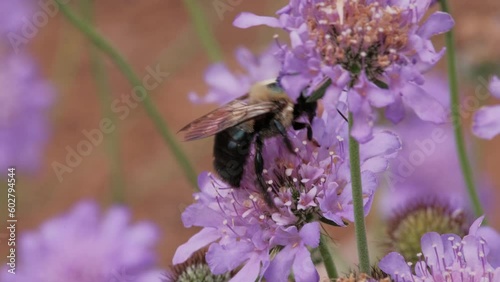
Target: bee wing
229, 115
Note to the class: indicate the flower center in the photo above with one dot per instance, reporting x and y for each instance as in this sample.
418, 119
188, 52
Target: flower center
358, 35
294, 199
410, 223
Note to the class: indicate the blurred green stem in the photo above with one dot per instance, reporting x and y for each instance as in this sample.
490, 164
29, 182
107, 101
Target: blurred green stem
68, 49
457, 122
324, 249
134, 80
357, 197
202, 27
104, 93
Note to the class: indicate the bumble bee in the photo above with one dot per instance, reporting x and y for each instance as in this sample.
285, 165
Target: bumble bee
266, 111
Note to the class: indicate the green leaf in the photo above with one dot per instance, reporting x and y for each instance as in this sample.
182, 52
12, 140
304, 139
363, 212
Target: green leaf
320, 92
381, 84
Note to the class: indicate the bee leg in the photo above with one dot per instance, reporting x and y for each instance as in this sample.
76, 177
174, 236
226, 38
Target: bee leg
284, 134
300, 125
259, 161
342, 115
259, 168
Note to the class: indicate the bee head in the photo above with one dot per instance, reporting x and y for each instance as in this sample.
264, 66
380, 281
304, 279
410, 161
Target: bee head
275, 87
268, 90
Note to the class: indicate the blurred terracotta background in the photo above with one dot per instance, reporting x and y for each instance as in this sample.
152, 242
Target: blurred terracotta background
160, 31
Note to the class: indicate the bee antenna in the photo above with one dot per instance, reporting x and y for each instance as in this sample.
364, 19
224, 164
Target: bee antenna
283, 74
342, 115
278, 80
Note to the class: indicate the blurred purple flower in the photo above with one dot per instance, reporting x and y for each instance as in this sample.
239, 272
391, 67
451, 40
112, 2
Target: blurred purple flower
486, 122
14, 15
82, 247
226, 85
427, 169
310, 185
362, 45
26, 98
446, 258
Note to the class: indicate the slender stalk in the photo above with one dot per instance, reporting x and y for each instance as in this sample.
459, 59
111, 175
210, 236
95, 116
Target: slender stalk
357, 197
134, 80
113, 143
68, 47
324, 249
456, 118
203, 29
104, 93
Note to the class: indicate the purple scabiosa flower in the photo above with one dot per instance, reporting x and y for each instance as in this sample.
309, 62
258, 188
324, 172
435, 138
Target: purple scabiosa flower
425, 188
226, 85
427, 168
308, 186
26, 98
486, 122
376, 49
80, 246
445, 258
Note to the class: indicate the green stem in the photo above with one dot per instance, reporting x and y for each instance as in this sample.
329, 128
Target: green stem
203, 29
324, 249
357, 197
456, 118
68, 49
134, 80
104, 93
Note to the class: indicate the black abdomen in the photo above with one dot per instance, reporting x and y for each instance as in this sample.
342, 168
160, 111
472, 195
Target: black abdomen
231, 150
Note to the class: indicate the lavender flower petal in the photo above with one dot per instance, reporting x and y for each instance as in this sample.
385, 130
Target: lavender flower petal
425, 107
437, 23
281, 265
486, 123
198, 241
24, 124
246, 20
492, 237
250, 271
394, 264
303, 267
222, 259
494, 86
